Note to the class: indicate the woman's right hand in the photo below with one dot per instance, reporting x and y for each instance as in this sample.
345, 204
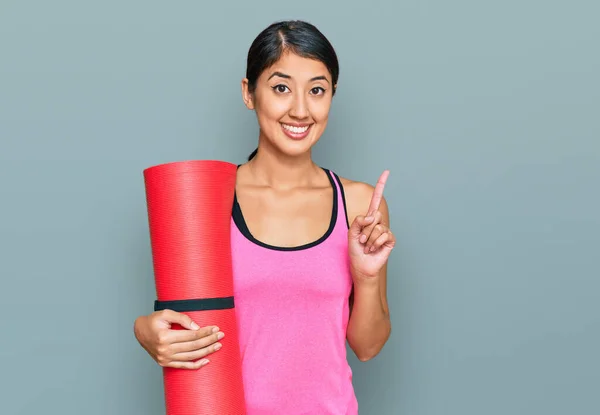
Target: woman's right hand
181, 349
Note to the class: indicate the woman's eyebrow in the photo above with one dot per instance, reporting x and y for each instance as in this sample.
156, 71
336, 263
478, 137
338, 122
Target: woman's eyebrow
280, 74
317, 78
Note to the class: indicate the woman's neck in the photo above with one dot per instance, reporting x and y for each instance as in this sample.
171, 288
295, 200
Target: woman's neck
268, 169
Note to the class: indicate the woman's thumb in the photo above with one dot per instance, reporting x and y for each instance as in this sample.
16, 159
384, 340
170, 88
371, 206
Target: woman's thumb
358, 224
179, 318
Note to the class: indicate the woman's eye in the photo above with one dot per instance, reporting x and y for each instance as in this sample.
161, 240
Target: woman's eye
317, 90
280, 88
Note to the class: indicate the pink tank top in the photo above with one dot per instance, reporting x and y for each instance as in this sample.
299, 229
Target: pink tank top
292, 311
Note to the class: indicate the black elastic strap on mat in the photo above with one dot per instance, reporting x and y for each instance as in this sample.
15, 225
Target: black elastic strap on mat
197, 304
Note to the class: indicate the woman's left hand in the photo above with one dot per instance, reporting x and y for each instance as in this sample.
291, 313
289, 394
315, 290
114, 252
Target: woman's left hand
370, 240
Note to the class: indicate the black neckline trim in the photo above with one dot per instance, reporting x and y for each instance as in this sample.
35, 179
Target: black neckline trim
337, 178
240, 222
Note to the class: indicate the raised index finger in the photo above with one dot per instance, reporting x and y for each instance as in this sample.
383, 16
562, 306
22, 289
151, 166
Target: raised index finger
378, 192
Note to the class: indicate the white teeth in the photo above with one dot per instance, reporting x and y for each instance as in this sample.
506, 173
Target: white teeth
296, 130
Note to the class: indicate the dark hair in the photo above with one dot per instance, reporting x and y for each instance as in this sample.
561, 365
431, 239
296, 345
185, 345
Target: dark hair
297, 36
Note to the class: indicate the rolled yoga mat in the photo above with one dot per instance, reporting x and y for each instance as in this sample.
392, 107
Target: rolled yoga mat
189, 207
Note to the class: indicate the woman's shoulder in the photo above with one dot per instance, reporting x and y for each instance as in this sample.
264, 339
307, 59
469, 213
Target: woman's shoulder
358, 196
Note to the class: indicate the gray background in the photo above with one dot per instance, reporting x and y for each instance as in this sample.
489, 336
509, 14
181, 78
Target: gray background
487, 114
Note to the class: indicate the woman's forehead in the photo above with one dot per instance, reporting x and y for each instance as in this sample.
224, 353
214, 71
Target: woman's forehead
296, 67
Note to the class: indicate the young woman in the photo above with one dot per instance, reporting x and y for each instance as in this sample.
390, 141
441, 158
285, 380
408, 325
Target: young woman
309, 248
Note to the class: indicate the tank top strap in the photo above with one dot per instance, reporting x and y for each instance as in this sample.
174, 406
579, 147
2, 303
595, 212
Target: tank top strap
342, 211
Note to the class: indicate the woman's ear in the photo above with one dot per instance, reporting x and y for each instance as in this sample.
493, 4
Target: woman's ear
247, 96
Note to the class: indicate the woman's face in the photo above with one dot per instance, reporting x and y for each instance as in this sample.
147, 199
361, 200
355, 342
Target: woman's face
292, 100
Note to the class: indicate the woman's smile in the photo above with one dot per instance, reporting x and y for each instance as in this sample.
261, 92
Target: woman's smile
296, 131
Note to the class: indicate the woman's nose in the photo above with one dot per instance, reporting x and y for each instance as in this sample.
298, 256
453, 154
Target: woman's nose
299, 108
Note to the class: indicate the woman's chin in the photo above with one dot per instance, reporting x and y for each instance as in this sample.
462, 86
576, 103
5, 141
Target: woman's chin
296, 148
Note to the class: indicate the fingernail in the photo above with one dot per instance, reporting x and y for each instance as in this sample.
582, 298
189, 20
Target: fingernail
372, 248
363, 239
204, 362
369, 218
195, 326
218, 346
215, 329
220, 335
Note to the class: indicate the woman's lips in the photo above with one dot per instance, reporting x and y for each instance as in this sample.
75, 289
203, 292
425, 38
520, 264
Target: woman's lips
296, 132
